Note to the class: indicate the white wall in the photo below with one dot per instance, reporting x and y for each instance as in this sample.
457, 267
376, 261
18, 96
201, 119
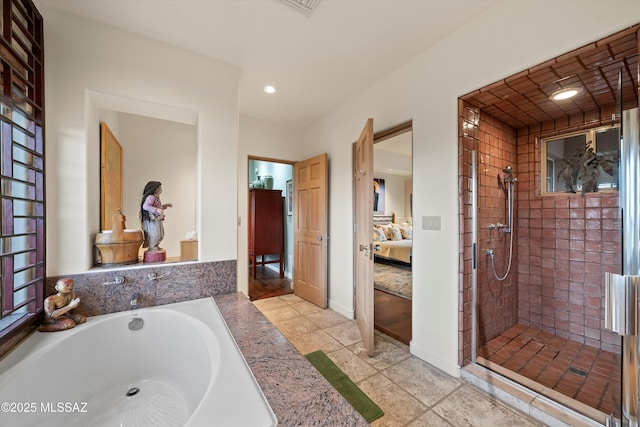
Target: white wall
510, 37
91, 67
259, 139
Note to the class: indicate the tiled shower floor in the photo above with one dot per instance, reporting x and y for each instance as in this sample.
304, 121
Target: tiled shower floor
586, 374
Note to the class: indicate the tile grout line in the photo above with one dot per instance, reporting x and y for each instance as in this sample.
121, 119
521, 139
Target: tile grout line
381, 371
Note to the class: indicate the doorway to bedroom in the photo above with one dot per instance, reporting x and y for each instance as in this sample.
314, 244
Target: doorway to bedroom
270, 228
393, 231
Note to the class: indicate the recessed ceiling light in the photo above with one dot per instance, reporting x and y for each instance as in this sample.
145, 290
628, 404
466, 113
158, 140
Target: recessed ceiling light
561, 94
270, 89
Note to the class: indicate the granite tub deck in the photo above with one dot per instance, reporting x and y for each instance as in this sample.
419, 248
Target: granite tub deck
298, 394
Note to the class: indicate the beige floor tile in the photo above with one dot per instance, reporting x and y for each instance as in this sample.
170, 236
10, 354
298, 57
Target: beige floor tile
269, 303
399, 406
430, 419
326, 318
346, 333
394, 341
305, 307
291, 298
385, 353
296, 326
279, 314
354, 367
411, 392
468, 406
313, 341
421, 380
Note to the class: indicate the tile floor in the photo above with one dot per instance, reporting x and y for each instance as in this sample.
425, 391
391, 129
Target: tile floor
587, 374
410, 391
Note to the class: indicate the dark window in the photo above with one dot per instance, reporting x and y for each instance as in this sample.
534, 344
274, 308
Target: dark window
590, 157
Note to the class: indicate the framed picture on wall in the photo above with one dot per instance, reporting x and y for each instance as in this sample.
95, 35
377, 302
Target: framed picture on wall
378, 195
289, 197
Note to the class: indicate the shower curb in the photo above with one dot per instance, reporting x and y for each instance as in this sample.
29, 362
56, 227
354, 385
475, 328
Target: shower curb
533, 404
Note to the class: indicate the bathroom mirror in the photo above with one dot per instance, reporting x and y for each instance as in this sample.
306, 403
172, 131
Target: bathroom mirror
155, 150
585, 161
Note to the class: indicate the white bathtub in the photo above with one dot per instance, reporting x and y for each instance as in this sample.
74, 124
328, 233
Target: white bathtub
183, 361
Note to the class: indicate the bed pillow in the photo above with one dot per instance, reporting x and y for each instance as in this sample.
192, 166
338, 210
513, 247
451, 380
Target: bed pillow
388, 231
378, 235
395, 233
406, 231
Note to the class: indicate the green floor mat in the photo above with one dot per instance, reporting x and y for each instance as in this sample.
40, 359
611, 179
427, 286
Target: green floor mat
347, 388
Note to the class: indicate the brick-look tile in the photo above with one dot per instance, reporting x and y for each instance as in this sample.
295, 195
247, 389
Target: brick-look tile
564, 242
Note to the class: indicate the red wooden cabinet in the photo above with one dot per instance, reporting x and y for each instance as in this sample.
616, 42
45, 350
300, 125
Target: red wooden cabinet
266, 228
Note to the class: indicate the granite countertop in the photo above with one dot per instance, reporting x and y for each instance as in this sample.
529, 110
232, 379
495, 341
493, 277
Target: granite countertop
296, 391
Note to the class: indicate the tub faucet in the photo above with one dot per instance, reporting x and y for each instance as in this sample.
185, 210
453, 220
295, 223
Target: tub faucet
118, 280
133, 301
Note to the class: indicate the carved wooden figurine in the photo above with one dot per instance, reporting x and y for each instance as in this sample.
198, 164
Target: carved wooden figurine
57, 316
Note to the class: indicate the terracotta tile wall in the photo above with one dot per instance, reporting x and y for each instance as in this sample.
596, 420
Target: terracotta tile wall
495, 144
563, 244
497, 300
566, 243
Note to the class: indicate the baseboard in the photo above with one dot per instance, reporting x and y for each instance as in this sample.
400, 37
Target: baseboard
348, 313
433, 359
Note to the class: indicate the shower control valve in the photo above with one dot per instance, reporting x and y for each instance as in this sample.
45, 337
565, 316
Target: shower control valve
488, 252
499, 226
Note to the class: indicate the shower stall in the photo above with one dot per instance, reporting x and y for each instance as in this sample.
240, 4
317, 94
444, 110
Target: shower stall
535, 270
541, 226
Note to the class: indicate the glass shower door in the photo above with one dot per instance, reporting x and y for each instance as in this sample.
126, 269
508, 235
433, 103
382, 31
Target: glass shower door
623, 291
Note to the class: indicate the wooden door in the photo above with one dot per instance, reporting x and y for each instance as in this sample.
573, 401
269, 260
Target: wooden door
363, 241
110, 176
310, 189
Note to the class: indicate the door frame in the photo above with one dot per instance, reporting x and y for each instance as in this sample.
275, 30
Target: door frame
246, 213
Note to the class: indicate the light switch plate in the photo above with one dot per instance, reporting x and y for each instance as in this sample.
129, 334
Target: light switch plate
432, 223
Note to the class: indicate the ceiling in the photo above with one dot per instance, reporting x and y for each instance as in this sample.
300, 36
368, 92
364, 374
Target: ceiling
316, 62
523, 99
393, 156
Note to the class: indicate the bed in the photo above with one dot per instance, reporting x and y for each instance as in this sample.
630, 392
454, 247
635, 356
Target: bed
392, 241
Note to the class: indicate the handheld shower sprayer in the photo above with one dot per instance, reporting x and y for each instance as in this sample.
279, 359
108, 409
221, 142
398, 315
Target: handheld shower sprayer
509, 181
508, 175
